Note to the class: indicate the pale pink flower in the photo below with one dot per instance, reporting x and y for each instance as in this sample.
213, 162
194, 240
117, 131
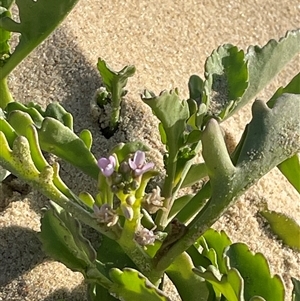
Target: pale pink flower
107, 165
138, 163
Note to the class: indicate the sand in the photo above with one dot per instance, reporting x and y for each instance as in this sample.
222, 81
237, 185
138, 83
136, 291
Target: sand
167, 42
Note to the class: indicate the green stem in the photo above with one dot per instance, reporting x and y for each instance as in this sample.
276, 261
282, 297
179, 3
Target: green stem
162, 215
116, 105
127, 242
5, 95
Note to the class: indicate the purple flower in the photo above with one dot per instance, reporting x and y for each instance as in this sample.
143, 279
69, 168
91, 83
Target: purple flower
138, 163
107, 166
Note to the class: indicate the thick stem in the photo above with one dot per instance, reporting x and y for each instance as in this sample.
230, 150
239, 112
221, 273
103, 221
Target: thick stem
133, 250
5, 95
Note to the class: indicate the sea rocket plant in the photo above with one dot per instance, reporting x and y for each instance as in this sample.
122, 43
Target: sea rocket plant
148, 235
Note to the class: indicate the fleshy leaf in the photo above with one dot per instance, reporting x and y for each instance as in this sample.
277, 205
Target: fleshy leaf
228, 69
195, 174
264, 63
290, 168
173, 113
55, 110
284, 227
112, 255
115, 83
293, 87
188, 285
58, 139
196, 88
229, 285
254, 269
271, 137
62, 239
47, 16
217, 241
130, 285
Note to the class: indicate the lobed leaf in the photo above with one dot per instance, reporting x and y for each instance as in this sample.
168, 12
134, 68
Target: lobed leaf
229, 285
130, 285
254, 269
227, 80
114, 81
188, 285
264, 63
62, 240
173, 113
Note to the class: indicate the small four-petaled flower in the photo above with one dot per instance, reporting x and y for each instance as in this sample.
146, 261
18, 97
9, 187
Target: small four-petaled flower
107, 165
138, 163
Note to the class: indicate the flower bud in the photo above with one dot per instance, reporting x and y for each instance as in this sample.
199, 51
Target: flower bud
130, 200
127, 211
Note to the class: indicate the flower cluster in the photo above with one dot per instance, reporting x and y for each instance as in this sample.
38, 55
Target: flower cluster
105, 215
145, 236
152, 202
123, 179
127, 176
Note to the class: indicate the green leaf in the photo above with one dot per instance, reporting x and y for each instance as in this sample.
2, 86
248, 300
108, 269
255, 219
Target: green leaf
196, 88
188, 285
285, 227
47, 16
62, 239
86, 136
115, 83
35, 115
195, 174
55, 110
229, 285
255, 271
228, 69
112, 255
296, 290
218, 241
131, 285
179, 204
293, 87
264, 63
272, 135
290, 168
7, 130
123, 150
173, 114
59, 140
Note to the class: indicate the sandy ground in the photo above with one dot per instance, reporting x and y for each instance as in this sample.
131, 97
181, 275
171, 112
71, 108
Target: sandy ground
167, 41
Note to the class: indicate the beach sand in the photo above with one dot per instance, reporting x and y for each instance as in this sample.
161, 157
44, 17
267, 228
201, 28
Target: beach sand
167, 41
